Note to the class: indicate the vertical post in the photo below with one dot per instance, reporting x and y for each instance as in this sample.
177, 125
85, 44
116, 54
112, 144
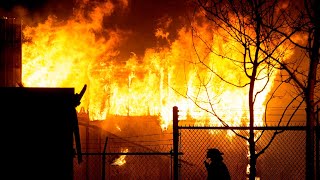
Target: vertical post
87, 150
175, 143
317, 145
104, 160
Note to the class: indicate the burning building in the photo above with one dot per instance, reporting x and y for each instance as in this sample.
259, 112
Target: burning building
88, 48
148, 83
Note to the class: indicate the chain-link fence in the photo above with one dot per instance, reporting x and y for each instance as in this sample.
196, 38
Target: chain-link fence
283, 159
137, 166
107, 156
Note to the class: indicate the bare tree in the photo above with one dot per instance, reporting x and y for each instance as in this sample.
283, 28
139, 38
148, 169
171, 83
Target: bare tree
254, 26
306, 80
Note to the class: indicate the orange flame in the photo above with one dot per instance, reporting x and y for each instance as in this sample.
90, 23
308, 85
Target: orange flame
121, 160
80, 51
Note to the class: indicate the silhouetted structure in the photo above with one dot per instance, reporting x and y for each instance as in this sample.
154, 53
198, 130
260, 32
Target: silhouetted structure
38, 127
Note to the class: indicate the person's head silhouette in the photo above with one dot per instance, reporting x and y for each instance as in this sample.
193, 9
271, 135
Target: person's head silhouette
214, 154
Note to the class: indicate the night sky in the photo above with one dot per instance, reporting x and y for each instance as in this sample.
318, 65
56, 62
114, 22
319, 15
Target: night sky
31, 4
34, 8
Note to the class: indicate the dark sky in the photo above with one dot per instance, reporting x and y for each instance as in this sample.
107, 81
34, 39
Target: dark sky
138, 11
141, 17
30, 4
35, 8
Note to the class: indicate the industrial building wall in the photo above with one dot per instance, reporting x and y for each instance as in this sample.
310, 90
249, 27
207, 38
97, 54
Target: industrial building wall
10, 52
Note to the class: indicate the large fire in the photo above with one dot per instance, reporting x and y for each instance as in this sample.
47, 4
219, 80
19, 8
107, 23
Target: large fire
81, 51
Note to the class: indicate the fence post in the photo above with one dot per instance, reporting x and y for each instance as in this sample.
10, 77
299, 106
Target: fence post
317, 144
175, 143
87, 150
104, 160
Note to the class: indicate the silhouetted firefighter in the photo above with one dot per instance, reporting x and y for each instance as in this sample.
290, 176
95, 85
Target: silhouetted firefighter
215, 166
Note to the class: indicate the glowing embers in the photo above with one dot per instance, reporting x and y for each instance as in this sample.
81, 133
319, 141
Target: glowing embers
121, 160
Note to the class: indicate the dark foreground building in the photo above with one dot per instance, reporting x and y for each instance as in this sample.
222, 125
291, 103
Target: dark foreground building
39, 126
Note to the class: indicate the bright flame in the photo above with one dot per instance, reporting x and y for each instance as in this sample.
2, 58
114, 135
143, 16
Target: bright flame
121, 160
81, 51
118, 127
